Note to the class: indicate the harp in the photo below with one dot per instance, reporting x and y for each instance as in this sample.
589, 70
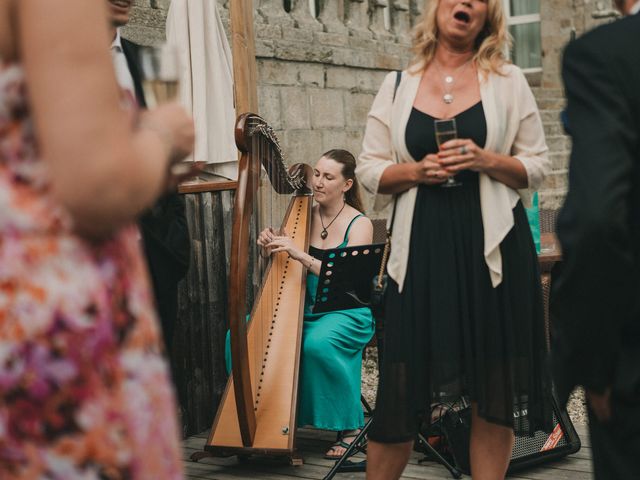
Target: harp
257, 413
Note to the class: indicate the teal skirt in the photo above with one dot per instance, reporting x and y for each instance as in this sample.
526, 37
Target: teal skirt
330, 365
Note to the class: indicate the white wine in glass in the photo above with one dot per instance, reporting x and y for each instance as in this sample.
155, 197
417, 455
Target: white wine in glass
160, 74
446, 130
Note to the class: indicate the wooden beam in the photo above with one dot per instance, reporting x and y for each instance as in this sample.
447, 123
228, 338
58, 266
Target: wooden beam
245, 76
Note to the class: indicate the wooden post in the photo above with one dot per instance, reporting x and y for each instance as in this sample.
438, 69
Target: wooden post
243, 47
246, 101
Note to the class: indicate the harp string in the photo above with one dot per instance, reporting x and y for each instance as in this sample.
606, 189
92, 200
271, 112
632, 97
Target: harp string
273, 187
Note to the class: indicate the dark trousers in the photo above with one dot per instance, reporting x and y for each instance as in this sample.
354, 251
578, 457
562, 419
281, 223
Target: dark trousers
616, 444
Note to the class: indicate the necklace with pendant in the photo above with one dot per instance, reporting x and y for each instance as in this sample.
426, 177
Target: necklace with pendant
324, 233
449, 80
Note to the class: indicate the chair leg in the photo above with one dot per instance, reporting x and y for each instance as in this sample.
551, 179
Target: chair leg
368, 411
455, 473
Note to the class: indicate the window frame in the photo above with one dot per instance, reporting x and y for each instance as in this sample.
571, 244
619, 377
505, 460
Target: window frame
523, 20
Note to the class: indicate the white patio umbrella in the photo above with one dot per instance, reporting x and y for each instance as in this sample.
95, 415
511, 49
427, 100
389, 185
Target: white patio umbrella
206, 83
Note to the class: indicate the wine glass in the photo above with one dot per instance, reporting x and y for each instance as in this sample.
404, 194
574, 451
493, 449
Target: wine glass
160, 70
446, 130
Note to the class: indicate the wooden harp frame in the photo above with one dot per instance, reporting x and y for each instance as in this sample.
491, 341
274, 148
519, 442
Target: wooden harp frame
240, 400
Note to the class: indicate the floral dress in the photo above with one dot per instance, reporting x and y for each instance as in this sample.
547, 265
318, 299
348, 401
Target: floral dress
84, 389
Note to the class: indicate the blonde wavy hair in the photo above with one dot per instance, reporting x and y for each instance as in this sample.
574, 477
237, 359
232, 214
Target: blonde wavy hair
491, 46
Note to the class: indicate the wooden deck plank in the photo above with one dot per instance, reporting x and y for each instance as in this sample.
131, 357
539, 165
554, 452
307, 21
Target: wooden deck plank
313, 443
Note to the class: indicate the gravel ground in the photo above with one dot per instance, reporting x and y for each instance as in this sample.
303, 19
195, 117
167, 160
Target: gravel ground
576, 405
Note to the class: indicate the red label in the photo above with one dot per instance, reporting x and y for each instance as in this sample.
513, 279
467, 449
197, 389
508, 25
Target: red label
553, 439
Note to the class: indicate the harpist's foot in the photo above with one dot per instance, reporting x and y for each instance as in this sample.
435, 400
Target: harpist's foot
340, 447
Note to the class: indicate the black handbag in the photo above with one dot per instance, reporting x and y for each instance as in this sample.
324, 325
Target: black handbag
380, 281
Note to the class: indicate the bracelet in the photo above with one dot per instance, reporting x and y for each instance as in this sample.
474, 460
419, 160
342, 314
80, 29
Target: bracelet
311, 263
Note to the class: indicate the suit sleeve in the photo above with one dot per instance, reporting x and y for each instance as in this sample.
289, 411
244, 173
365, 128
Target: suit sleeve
594, 294
166, 233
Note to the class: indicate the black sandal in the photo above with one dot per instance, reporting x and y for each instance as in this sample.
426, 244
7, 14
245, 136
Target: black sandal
340, 443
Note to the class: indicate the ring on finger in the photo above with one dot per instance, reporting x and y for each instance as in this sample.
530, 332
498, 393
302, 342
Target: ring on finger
463, 150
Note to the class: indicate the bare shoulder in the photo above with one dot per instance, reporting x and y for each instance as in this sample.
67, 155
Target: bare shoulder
361, 232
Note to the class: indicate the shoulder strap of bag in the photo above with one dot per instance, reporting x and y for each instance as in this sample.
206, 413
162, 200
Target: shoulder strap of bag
395, 200
387, 245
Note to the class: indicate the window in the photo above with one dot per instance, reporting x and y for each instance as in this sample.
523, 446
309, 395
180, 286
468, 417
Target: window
524, 25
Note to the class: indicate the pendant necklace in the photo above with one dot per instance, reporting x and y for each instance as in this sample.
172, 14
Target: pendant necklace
324, 233
449, 80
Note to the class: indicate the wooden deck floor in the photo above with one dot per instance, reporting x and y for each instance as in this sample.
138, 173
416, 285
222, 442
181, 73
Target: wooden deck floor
312, 445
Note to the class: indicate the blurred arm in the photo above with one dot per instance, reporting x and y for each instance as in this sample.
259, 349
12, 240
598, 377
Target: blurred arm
102, 171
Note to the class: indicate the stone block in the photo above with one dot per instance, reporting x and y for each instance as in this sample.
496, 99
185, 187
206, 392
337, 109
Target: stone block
265, 48
303, 52
269, 105
303, 146
276, 72
363, 43
551, 103
149, 17
401, 51
357, 106
144, 35
556, 180
359, 33
267, 31
558, 143
354, 58
550, 115
327, 108
334, 138
295, 108
354, 140
386, 61
369, 80
297, 34
311, 74
553, 129
559, 161
333, 39
341, 77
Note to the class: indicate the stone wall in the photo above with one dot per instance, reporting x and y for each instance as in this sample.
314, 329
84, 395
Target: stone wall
318, 76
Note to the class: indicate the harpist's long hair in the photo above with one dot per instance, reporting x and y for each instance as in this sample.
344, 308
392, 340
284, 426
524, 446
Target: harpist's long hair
348, 162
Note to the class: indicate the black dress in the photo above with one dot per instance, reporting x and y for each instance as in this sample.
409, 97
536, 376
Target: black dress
449, 332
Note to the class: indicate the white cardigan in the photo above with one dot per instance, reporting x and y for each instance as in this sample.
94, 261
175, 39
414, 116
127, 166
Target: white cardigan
514, 128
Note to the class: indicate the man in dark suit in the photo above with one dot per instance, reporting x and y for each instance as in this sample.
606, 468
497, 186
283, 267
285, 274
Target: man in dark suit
596, 295
164, 227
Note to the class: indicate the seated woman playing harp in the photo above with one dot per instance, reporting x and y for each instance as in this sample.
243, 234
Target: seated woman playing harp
332, 343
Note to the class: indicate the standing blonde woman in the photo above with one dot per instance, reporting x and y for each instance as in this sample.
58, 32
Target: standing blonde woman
84, 388
464, 307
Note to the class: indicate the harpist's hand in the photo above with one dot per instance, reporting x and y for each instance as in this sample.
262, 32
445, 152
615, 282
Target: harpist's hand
264, 239
284, 243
